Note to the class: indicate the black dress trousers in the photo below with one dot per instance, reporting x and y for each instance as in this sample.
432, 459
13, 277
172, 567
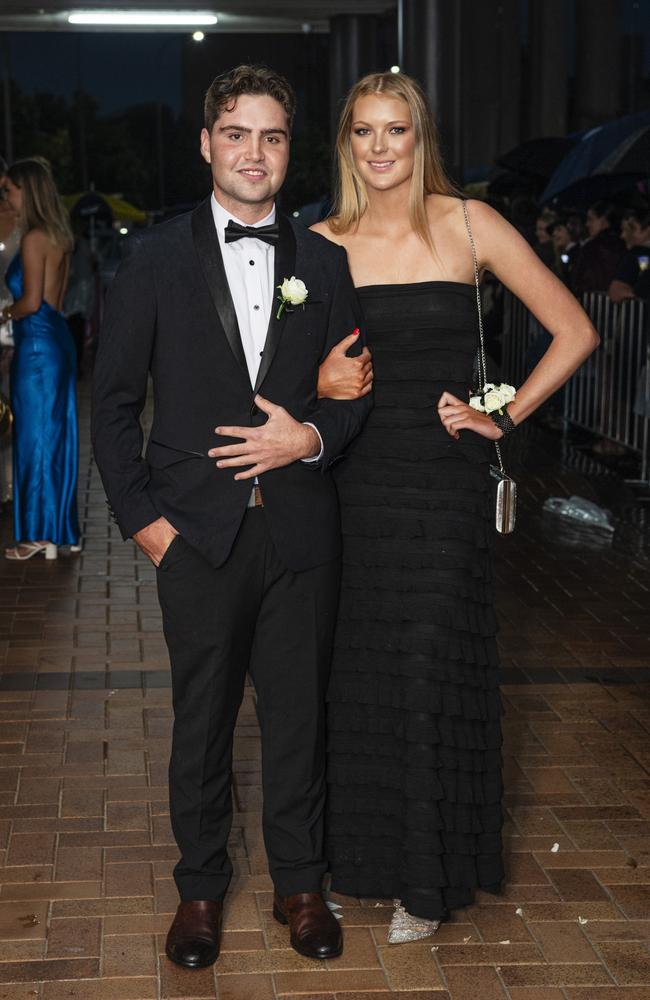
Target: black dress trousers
250, 614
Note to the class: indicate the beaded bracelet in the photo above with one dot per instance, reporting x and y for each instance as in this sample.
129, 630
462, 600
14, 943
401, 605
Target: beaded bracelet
503, 420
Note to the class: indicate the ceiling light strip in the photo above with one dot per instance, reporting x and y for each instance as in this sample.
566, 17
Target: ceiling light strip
140, 18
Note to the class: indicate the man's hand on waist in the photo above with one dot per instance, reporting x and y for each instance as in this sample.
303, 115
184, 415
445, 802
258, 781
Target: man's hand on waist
155, 539
280, 441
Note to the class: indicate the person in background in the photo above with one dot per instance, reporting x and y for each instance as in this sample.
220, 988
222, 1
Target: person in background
632, 279
543, 245
634, 225
79, 301
564, 258
9, 235
575, 223
9, 243
43, 384
523, 216
565, 250
599, 258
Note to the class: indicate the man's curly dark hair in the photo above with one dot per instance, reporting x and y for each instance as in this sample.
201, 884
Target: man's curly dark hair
227, 87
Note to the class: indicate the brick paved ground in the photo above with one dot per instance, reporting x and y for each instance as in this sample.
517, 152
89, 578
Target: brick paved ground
86, 851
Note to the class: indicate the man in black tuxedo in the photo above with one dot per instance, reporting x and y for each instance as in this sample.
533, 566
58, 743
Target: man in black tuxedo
233, 501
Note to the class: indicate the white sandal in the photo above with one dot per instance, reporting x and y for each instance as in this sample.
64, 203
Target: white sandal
25, 550
405, 927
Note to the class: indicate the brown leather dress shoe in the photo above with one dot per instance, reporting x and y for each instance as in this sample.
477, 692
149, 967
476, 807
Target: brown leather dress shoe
315, 931
195, 934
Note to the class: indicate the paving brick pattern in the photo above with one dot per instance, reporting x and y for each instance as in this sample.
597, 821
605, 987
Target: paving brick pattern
86, 850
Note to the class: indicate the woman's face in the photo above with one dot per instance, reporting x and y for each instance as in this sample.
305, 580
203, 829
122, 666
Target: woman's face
596, 223
541, 231
383, 141
13, 195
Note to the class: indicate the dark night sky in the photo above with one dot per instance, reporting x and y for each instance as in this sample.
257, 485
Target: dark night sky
121, 69
117, 69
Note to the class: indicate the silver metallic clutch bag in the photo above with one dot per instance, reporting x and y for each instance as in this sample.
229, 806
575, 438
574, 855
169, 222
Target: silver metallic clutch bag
506, 500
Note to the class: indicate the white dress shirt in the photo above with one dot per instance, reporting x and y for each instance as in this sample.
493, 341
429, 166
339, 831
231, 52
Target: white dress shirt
249, 266
250, 270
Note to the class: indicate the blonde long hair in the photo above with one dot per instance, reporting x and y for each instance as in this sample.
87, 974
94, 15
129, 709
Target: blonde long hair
42, 206
429, 176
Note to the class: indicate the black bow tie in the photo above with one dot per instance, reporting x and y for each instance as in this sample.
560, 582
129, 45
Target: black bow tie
268, 234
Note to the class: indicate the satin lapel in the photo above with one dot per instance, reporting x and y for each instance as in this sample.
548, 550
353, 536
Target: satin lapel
209, 253
285, 266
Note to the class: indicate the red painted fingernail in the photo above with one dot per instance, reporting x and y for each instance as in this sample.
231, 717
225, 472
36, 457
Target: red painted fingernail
355, 332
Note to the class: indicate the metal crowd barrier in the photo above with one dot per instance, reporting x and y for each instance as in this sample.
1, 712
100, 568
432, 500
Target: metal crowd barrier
609, 395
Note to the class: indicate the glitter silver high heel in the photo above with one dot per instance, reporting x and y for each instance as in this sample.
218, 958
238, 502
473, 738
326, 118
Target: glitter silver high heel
405, 927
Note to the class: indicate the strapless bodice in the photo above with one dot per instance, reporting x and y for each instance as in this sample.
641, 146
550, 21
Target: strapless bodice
424, 338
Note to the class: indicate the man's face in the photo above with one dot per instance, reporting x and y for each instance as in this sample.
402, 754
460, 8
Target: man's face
248, 152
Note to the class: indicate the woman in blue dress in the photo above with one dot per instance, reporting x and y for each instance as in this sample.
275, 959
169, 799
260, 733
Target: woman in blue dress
43, 370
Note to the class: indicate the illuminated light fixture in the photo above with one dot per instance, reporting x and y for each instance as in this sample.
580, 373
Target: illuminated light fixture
198, 36
395, 69
123, 231
143, 18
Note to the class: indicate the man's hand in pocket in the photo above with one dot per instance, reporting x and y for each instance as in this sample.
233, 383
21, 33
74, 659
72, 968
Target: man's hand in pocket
155, 539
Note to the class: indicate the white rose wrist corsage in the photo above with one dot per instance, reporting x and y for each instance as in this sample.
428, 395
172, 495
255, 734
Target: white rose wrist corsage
493, 399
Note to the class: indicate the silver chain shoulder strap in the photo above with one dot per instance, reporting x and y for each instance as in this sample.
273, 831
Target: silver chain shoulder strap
482, 366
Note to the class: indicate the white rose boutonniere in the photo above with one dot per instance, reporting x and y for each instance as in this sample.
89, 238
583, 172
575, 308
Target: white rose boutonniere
293, 292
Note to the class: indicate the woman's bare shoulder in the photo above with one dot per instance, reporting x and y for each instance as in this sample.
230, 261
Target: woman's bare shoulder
486, 217
38, 242
36, 239
484, 220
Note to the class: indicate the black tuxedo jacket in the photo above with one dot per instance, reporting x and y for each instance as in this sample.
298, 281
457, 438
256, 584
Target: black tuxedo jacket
169, 313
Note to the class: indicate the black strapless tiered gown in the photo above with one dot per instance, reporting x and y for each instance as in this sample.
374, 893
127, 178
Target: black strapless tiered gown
414, 707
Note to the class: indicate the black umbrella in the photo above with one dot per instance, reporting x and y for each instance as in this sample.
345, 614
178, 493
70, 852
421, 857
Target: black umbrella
632, 156
605, 144
608, 187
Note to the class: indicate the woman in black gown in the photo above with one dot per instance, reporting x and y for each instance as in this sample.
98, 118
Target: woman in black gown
414, 715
